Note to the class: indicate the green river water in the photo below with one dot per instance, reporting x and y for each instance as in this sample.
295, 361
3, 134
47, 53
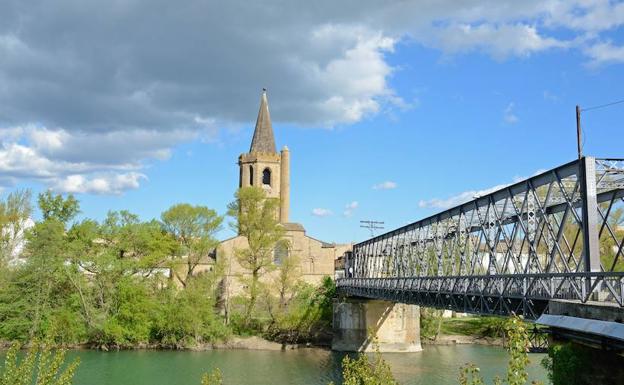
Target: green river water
434, 365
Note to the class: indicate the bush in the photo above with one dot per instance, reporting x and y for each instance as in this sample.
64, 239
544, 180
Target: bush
308, 316
570, 360
187, 317
40, 364
518, 340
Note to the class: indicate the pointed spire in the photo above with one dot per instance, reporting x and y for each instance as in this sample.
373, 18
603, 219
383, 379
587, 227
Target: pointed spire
263, 140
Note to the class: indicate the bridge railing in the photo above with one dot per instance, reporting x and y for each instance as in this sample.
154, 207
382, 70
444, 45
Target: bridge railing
558, 234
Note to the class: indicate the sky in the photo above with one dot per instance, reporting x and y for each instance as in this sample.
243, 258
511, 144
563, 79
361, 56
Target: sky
392, 110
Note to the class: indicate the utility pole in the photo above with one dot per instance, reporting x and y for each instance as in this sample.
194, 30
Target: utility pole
372, 226
579, 144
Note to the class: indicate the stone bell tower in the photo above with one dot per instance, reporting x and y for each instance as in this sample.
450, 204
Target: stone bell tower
263, 166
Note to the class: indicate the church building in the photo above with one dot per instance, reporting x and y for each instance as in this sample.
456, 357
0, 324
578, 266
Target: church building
264, 167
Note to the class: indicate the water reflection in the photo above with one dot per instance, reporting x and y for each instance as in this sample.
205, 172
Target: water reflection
435, 365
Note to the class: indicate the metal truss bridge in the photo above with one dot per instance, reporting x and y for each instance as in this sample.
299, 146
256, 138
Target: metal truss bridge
558, 235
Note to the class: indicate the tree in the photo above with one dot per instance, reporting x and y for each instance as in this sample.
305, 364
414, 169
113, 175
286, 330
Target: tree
287, 277
518, 337
43, 273
194, 227
255, 219
15, 211
40, 364
54, 206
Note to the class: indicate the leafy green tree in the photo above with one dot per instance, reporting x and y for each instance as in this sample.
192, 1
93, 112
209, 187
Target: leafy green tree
54, 206
42, 278
255, 218
288, 276
194, 227
40, 365
307, 315
15, 210
187, 317
107, 283
518, 340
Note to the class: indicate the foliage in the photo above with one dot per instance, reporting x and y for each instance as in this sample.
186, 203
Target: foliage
469, 375
123, 282
40, 366
610, 239
106, 283
307, 316
255, 218
15, 210
570, 360
364, 371
430, 322
194, 227
187, 317
212, 378
54, 206
483, 326
518, 347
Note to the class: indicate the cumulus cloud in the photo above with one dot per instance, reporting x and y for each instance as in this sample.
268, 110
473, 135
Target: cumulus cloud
500, 41
102, 184
349, 208
100, 163
604, 53
320, 212
387, 185
116, 84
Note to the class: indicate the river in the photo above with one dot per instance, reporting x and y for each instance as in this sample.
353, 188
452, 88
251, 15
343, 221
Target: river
434, 365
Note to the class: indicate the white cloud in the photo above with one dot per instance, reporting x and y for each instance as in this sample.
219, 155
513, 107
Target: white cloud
101, 184
387, 185
469, 195
500, 41
320, 212
99, 163
604, 53
349, 208
458, 199
509, 116
325, 64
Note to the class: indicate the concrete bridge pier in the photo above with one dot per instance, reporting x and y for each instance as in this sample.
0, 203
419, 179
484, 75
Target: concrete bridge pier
397, 326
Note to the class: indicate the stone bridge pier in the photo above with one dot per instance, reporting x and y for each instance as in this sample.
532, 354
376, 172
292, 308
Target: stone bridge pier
397, 326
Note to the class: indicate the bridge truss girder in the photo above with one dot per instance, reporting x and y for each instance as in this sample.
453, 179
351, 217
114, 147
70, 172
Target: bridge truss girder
508, 251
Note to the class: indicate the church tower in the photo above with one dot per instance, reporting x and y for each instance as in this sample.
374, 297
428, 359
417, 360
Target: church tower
263, 166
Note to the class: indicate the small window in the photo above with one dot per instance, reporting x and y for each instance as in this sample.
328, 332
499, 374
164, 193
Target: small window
280, 253
266, 176
251, 175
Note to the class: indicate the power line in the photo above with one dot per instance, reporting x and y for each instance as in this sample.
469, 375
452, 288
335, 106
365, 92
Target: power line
580, 137
602, 105
372, 226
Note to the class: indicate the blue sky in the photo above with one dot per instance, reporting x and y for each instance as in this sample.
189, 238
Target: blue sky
395, 125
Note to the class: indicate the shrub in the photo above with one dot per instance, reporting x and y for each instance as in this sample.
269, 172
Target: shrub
40, 365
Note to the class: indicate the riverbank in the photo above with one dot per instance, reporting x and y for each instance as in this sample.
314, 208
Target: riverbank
232, 343
458, 339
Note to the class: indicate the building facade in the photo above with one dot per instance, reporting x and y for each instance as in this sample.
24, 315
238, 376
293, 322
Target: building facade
264, 167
